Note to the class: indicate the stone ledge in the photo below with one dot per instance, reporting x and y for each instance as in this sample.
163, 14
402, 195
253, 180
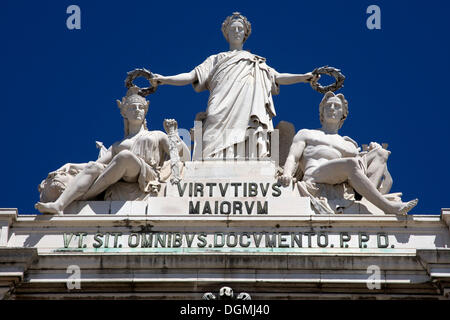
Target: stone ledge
445, 214
89, 208
16, 256
228, 220
229, 263
14, 262
276, 269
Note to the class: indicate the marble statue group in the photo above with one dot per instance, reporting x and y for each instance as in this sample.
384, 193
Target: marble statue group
328, 168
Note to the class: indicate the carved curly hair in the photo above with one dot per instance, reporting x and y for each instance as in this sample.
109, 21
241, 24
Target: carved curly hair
236, 16
341, 97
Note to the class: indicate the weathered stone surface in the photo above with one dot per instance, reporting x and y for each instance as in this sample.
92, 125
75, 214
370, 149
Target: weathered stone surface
40, 249
286, 134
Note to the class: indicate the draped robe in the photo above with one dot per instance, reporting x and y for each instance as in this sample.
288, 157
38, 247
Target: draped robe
241, 86
151, 155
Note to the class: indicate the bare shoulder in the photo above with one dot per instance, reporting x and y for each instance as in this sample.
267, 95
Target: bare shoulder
306, 134
347, 138
158, 133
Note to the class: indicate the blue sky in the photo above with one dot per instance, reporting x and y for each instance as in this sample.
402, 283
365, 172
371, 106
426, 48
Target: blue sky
58, 86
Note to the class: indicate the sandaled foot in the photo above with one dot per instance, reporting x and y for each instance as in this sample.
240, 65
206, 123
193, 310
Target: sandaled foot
408, 206
48, 208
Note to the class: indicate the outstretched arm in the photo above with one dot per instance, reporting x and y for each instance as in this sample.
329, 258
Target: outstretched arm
290, 78
181, 79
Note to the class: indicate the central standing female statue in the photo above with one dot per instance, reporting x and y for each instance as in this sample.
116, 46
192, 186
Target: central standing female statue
241, 86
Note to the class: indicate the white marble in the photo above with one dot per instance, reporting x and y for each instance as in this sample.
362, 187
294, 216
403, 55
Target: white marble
327, 164
248, 84
138, 158
39, 250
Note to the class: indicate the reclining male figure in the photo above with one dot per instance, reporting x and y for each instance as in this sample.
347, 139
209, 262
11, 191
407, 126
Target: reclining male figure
326, 157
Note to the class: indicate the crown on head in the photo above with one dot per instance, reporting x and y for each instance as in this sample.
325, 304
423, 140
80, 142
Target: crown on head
133, 96
236, 16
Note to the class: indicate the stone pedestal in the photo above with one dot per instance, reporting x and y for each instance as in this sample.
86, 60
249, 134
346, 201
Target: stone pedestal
182, 257
240, 188
171, 247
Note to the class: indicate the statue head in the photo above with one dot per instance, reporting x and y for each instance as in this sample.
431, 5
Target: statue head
54, 185
226, 293
133, 107
236, 20
328, 99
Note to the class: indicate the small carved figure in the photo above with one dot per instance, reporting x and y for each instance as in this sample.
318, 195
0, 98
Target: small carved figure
226, 293
325, 158
170, 125
136, 158
241, 86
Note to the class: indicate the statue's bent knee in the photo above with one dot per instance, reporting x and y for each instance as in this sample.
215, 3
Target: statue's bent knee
382, 154
355, 164
125, 156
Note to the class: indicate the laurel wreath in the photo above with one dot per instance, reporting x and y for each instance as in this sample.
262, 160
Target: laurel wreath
333, 72
136, 73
